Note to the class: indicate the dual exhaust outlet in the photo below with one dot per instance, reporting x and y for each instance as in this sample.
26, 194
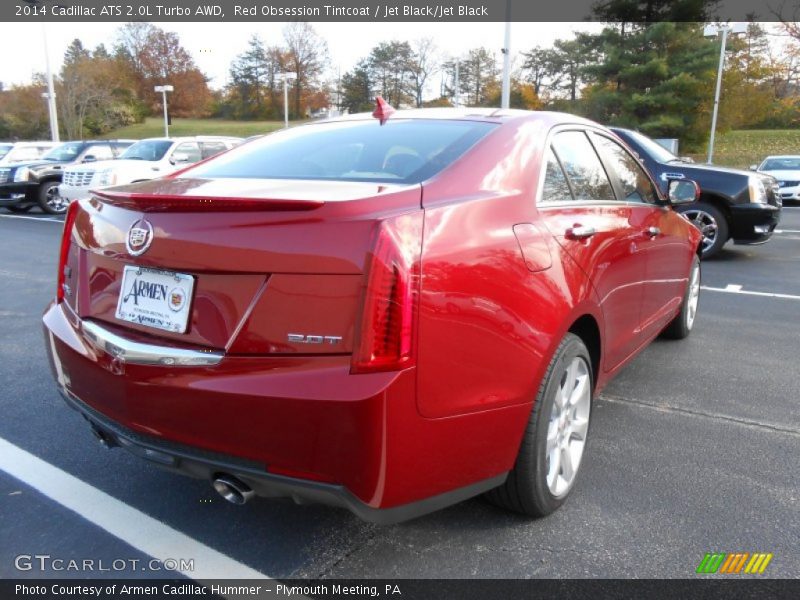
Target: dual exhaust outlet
229, 487
232, 489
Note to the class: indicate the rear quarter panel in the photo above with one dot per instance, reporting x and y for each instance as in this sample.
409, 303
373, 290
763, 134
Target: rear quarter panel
488, 325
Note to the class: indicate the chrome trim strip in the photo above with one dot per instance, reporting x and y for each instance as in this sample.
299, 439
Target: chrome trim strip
146, 354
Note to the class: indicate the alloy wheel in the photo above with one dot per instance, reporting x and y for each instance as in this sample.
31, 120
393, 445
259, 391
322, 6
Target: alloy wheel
55, 201
694, 296
707, 225
568, 426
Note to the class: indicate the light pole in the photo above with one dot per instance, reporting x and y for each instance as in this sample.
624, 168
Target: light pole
505, 98
286, 77
712, 31
50, 94
457, 85
164, 89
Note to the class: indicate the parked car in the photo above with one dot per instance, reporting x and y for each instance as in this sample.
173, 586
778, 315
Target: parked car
14, 152
24, 185
786, 169
733, 204
144, 160
387, 315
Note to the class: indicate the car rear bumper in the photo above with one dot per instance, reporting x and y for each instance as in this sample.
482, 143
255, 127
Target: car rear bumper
753, 223
207, 465
291, 426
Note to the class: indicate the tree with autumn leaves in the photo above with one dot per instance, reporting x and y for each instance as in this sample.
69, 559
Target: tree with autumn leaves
649, 68
156, 57
99, 90
255, 90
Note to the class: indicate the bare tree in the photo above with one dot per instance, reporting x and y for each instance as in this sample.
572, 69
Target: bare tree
424, 62
132, 41
307, 55
788, 17
543, 68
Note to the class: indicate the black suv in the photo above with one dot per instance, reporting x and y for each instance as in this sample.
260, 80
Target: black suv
733, 204
24, 185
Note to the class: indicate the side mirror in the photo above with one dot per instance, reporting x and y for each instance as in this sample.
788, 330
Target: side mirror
754, 167
89, 158
683, 191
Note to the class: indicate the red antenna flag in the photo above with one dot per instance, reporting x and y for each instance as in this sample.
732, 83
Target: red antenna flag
383, 110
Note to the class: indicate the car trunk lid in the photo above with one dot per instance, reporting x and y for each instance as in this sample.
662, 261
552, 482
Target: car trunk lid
276, 266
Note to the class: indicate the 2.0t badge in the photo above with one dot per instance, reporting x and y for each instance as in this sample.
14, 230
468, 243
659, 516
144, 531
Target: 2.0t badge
139, 238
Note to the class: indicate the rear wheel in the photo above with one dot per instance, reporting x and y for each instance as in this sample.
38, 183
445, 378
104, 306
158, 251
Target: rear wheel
552, 447
681, 326
50, 200
712, 224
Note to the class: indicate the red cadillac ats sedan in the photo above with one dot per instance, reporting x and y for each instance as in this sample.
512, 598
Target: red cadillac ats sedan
388, 314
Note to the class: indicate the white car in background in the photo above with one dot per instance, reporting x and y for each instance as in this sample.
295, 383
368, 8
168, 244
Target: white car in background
786, 169
14, 152
144, 160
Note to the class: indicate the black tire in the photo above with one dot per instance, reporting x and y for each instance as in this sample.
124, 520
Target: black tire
19, 208
681, 326
526, 490
49, 199
711, 222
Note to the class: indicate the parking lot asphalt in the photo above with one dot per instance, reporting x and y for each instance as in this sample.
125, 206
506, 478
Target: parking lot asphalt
694, 448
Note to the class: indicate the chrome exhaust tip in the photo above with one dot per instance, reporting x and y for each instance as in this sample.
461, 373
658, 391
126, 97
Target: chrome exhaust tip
233, 490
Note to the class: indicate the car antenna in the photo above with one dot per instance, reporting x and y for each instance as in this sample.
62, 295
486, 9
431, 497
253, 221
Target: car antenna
383, 110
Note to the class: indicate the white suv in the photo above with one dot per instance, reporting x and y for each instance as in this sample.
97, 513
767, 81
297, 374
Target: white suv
146, 159
15, 152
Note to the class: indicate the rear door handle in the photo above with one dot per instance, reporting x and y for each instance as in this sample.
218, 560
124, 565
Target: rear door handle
580, 232
653, 231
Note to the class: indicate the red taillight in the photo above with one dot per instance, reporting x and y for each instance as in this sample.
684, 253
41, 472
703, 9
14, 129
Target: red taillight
390, 298
66, 242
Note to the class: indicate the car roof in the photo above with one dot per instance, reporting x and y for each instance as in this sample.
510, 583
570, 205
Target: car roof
779, 156
494, 115
36, 143
114, 141
194, 138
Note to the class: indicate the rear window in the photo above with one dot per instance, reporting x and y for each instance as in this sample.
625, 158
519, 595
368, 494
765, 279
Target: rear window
400, 151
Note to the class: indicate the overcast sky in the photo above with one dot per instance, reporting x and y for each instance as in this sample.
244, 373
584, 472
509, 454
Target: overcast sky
215, 45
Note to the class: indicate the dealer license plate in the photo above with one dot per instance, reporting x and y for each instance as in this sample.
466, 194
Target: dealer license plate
155, 298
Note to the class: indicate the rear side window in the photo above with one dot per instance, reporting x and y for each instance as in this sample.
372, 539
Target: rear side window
400, 151
636, 185
556, 188
187, 152
211, 148
100, 152
584, 170
26, 153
